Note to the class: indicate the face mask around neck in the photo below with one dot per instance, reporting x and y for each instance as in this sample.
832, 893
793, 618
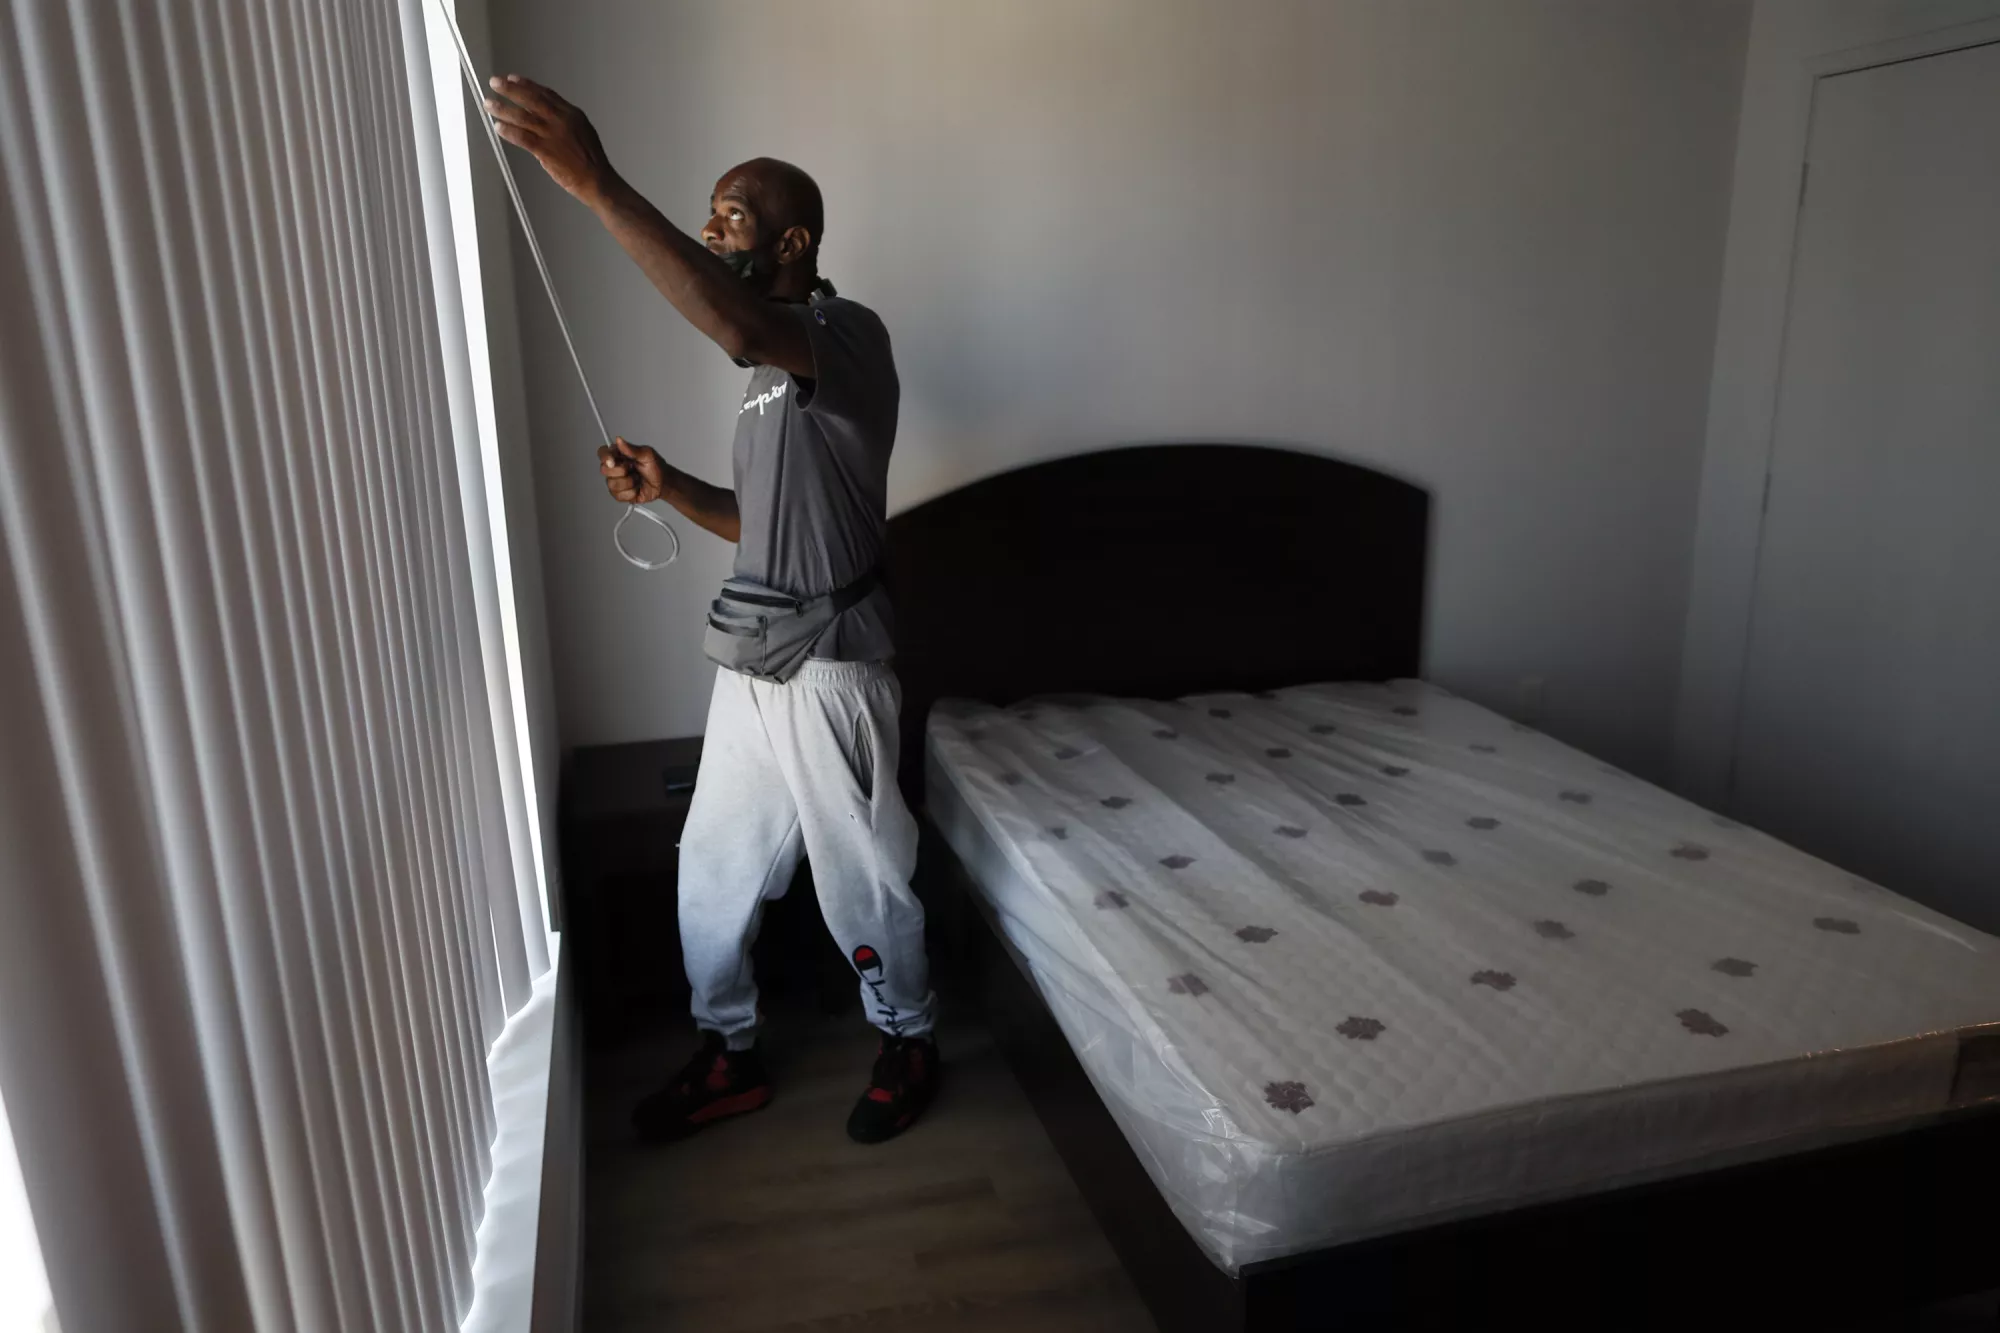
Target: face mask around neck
746, 264
761, 271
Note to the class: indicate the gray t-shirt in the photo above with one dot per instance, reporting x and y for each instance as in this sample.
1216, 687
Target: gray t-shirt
811, 461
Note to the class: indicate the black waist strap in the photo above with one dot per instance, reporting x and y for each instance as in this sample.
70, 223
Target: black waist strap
853, 593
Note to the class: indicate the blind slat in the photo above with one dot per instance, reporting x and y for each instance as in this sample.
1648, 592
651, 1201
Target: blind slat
89, 933
103, 274
386, 528
272, 709
280, 206
350, 1176
422, 505
520, 953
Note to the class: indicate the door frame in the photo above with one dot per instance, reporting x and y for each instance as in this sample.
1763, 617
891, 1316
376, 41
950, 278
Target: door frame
1789, 57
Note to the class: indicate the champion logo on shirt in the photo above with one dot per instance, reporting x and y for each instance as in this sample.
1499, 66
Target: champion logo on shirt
760, 401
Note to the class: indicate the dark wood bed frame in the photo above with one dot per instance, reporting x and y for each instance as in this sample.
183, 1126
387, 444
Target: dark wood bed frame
1165, 570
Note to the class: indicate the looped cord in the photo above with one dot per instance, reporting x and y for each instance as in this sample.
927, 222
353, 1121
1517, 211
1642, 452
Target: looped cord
478, 91
640, 511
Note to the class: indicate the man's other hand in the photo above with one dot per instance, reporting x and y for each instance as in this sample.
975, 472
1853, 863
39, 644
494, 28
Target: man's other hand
633, 473
560, 136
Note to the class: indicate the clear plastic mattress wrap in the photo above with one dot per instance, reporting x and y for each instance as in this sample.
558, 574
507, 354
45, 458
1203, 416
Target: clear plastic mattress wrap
1347, 959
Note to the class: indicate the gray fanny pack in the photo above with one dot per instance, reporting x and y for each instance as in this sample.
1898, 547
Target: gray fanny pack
761, 632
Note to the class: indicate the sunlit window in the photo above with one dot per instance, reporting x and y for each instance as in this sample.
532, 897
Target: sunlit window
24, 1287
458, 149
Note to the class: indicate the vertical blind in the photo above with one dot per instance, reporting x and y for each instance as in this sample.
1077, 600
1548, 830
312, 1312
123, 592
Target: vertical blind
267, 897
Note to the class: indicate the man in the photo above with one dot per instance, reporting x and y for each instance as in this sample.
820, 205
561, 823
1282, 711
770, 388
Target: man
808, 761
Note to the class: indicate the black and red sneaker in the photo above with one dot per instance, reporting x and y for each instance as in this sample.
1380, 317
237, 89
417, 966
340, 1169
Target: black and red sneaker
715, 1084
907, 1070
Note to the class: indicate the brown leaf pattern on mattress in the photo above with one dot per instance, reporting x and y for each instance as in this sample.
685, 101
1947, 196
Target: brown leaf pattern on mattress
1287, 1096
1700, 1023
1292, 1096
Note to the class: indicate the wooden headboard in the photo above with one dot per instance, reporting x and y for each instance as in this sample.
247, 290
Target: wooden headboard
1156, 571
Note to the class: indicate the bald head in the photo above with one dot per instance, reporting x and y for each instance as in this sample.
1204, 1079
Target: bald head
767, 217
786, 196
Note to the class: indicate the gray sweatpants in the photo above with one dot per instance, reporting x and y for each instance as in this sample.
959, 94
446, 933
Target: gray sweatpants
807, 766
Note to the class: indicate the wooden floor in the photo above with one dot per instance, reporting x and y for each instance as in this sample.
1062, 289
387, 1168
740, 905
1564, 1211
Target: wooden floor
778, 1222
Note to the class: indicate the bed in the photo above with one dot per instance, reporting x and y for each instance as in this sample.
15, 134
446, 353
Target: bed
1351, 1003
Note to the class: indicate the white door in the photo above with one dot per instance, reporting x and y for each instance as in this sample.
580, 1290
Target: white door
1870, 731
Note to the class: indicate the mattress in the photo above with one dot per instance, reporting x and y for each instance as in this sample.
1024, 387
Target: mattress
1345, 959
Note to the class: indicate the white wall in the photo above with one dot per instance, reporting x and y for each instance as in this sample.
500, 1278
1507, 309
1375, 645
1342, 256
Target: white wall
1474, 244
1790, 42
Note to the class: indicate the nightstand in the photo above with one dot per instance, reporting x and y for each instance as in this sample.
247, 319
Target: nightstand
622, 811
